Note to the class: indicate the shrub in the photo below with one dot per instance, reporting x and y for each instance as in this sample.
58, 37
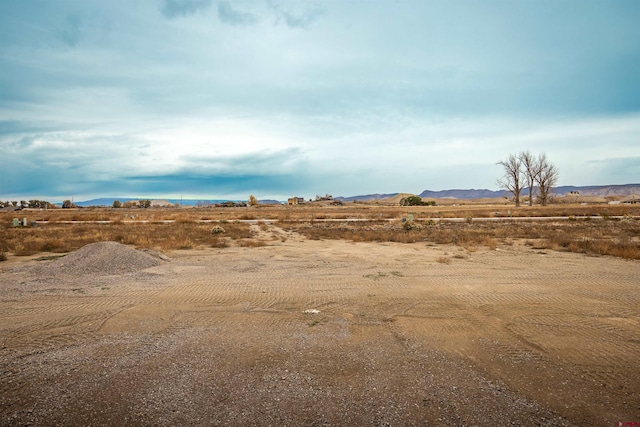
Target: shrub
411, 201
410, 225
217, 229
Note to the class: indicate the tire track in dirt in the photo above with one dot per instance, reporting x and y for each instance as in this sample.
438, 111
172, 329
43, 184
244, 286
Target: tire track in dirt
224, 312
64, 331
602, 376
57, 307
569, 335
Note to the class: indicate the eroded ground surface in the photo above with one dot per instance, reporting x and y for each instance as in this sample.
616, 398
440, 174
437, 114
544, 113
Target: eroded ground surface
406, 334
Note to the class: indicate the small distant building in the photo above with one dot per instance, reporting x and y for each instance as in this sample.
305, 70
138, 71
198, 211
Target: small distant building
573, 193
295, 201
631, 199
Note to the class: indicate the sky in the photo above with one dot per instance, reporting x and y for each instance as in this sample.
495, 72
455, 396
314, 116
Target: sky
218, 99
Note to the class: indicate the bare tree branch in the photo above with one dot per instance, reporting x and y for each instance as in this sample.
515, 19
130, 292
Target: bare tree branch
530, 167
512, 178
546, 177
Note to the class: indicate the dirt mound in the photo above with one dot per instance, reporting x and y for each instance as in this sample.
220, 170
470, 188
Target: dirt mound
106, 258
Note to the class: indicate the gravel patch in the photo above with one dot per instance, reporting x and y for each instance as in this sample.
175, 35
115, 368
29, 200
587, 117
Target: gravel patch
102, 258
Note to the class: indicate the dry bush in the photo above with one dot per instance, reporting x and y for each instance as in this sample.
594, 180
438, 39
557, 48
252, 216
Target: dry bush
251, 243
217, 229
467, 209
443, 260
219, 243
597, 237
602, 237
183, 219
68, 237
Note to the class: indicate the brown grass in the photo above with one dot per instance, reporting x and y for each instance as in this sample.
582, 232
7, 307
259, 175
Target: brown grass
603, 237
59, 238
463, 209
251, 243
581, 234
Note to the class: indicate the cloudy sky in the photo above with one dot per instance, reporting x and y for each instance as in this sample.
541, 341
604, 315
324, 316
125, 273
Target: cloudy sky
220, 99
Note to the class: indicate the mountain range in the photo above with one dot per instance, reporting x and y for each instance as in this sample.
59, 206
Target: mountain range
593, 190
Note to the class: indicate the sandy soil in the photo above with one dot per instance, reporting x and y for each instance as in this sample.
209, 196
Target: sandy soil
406, 334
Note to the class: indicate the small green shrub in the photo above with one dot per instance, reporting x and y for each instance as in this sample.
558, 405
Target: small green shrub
217, 229
410, 225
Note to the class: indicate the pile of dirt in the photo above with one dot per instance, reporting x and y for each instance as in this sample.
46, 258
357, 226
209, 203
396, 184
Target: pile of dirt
105, 258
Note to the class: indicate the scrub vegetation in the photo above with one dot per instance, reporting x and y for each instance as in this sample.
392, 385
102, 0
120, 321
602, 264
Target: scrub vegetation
590, 229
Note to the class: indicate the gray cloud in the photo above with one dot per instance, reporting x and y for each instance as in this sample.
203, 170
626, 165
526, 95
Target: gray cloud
70, 33
200, 184
301, 17
262, 162
180, 8
231, 16
90, 91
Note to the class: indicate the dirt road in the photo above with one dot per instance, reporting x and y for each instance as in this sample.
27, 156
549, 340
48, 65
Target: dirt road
405, 334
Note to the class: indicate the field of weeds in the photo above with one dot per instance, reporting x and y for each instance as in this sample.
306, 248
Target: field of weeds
313, 211
64, 230
61, 238
620, 238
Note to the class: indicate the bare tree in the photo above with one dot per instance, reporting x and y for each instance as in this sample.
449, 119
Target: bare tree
512, 178
546, 177
530, 168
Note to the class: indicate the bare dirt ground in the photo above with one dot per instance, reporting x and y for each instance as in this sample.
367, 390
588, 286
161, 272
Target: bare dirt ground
405, 334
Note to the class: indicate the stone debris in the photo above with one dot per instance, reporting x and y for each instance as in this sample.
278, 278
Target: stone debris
104, 258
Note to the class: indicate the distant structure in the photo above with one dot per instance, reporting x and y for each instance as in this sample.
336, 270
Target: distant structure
573, 193
325, 198
295, 201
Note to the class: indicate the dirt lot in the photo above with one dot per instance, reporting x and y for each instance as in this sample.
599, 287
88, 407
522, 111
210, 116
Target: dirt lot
405, 334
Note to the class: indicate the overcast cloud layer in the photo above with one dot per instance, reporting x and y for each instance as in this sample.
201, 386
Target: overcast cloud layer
219, 99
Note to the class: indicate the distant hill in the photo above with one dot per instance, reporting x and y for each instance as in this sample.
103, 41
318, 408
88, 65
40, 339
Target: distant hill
366, 197
601, 190
462, 194
593, 190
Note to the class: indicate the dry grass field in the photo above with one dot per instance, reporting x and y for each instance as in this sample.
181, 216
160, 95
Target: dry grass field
305, 321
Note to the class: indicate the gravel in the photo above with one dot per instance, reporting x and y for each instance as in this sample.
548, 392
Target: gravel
105, 258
